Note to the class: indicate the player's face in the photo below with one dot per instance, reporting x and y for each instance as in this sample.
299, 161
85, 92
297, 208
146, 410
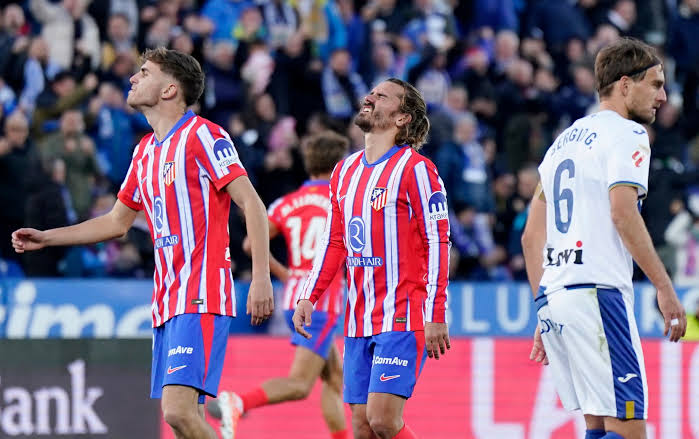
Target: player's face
380, 108
646, 96
146, 86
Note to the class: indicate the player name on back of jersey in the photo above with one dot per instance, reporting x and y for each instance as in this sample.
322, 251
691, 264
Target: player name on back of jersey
319, 200
574, 135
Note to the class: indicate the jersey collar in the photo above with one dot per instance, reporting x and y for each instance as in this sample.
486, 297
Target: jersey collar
188, 115
387, 155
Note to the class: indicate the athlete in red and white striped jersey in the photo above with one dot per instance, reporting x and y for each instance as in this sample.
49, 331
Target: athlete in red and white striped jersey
389, 226
300, 217
179, 182
184, 176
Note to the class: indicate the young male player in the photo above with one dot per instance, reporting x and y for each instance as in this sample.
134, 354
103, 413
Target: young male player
184, 176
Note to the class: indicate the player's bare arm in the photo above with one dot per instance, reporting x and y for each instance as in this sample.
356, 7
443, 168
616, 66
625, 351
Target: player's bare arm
278, 270
633, 232
108, 226
302, 316
533, 242
260, 304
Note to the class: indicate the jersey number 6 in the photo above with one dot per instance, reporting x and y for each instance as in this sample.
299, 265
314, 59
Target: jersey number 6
563, 195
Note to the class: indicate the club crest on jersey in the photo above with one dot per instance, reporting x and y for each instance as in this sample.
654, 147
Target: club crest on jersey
437, 206
638, 157
225, 153
378, 198
169, 173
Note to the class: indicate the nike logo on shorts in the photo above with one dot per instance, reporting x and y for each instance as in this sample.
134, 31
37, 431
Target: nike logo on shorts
627, 377
383, 377
171, 369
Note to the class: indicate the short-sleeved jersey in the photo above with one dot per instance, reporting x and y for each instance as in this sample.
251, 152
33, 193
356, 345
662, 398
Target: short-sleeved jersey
179, 183
595, 154
300, 216
389, 225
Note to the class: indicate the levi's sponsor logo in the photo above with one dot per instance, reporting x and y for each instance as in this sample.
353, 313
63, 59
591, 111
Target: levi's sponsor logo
166, 241
565, 256
390, 361
364, 261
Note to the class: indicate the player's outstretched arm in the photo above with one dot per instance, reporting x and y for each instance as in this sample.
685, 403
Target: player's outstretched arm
534, 240
260, 304
302, 316
630, 226
108, 226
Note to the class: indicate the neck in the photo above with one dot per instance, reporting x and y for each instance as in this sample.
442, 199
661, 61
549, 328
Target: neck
377, 144
617, 107
163, 118
325, 176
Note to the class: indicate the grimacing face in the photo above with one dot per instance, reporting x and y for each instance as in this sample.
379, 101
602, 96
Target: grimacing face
646, 96
146, 86
380, 107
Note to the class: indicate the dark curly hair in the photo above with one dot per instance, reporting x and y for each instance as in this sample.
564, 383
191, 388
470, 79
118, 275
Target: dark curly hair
413, 133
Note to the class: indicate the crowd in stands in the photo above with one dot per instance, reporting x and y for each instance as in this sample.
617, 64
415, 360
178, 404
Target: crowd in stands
501, 79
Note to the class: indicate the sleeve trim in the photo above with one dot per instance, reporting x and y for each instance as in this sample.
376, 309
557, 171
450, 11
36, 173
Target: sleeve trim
643, 190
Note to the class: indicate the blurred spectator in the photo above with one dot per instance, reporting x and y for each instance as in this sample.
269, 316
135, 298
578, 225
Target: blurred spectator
343, 88
77, 151
62, 94
462, 166
527, 180
50, 207
281, 21
250, 26
623, 17
225, 92
322, 23
431, 23
38, 69
682, 38
574, 101
13, 43
384, 62
224, 14
115, 132
18, 169
72, 35
119, 40
559, 21
682, 235
258, 67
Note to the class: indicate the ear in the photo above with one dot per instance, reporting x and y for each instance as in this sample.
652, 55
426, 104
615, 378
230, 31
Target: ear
404, 119
170, 91
625, 85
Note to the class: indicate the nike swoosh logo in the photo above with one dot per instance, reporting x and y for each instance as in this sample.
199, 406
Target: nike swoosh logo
387, 378
627, 377
174, 369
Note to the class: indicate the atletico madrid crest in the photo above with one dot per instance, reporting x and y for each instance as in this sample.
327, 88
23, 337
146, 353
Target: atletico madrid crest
169, 173
378, 198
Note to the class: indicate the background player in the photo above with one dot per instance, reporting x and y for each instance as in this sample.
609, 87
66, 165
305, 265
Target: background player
300, 217
184, 176
389, 225
583, 229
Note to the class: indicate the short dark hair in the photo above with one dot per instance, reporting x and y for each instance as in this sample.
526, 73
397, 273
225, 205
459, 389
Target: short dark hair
624, 57
414, 133
184, 68
322, 151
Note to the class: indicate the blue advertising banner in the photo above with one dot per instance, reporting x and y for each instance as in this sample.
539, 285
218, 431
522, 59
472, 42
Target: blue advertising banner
107, 308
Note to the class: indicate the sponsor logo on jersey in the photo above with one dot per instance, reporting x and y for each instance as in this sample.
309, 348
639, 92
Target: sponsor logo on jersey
158, 213
167, 241
566, 256
638, 156
364, 261
378, 198
169, 172
225, 153
180, 350
383, 377
355, 234
171, 369
437, 206
390, 361
627, 377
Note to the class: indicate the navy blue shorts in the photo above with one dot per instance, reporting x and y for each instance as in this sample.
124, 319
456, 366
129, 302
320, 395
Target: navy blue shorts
322, 330
188, 350
384, 363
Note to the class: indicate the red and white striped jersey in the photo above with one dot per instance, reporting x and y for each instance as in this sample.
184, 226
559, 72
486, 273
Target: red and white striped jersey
180, 183
300, 216
389, 225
